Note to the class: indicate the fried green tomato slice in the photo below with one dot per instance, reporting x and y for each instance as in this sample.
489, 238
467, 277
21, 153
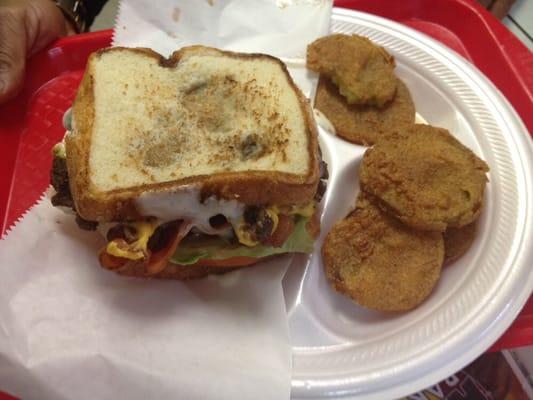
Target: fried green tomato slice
426, 178
364, 124
363, 72
379, 262
457, 241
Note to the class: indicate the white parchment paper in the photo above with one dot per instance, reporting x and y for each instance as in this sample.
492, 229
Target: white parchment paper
71, 330
282, 28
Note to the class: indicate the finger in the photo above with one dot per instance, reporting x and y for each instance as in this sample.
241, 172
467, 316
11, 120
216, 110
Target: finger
12, 52
70, 30
500, 8
44, 23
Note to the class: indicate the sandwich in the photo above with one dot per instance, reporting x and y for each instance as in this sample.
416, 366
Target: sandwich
200, 163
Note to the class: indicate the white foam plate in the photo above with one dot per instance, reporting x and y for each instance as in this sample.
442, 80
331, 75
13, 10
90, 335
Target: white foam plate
343, 350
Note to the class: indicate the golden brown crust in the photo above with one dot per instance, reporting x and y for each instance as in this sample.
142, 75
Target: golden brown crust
77, 168
379, 262
254, 187
87, 200
363, 71
364, 124
457, 241
426, 178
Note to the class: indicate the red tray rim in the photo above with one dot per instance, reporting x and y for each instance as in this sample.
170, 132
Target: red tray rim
520, 332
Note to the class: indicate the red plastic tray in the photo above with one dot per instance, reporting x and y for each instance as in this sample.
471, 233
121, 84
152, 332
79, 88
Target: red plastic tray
31, 124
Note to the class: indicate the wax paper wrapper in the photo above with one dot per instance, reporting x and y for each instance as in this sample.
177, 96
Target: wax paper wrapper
71, 330
281, 28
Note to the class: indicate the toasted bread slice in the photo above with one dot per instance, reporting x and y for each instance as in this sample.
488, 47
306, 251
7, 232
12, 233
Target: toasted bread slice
229, 125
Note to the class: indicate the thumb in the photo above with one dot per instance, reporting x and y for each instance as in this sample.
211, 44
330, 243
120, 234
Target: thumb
12, 53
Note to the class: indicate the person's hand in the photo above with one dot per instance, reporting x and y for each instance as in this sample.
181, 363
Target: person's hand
499, 8
26, 26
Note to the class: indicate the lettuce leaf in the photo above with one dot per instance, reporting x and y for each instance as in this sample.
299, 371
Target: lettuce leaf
217, 249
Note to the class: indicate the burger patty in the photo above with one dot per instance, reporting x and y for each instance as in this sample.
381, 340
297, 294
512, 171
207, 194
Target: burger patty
59, 180
63, 197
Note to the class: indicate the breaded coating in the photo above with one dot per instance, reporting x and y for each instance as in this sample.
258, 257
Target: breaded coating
379, 262
457, 241
364, 124
363, 71
426, 178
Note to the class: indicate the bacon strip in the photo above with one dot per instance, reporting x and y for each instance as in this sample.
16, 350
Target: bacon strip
157, 261
282, 232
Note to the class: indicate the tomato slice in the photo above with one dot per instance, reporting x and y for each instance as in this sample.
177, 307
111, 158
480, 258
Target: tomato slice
228, 262
158, 260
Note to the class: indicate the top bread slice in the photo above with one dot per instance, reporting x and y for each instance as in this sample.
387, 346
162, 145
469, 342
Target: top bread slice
234, 126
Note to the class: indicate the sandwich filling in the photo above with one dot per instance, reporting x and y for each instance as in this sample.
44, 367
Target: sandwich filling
142, 124
183, 229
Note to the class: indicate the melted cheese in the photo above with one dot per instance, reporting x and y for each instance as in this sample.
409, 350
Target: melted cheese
245, 236
138, 249
305, 210
273, 215
186, 204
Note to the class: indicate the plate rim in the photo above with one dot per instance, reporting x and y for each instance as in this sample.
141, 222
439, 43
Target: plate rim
345, 384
